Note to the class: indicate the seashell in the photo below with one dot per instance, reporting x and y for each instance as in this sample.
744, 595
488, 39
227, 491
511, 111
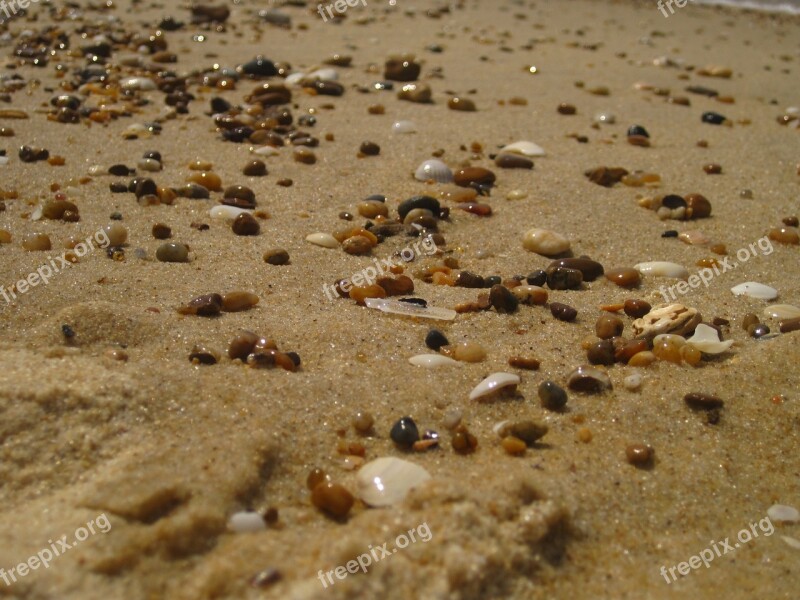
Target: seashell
430, 361
246, 522
148, 164
326, 240
294, 78
524, 148
493, 383
136, 131
410, 310
265, 151
386, 481
792, 542
545, 242
588, 379
706, 339
434, 169
404, 127
782, 311
662, 269
143, 84
783, 513
755, 290
673, 318
694, 238
225, 212
326, 74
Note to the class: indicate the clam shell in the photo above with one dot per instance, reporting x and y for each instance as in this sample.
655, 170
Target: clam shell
224, 212
430, 361
434, 169
326, 240
662, 269
783, 513
492, 383
404, 127
755, 290
246, 522
524, 148
386, 481
782, 311
706, 339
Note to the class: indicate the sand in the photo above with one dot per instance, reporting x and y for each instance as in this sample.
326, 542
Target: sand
168, 450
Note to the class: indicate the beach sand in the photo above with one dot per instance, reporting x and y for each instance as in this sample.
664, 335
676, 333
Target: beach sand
168, 450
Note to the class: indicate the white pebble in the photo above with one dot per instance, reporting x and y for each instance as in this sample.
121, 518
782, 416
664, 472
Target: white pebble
430, 361
3, 161
661, 268
225, 212
143, 84
148, 164
517, 195
386, 481
404, 127
545, 242
452, 418
246, 522
782, 311
632, 382
326, 240
793, 542
783, 513
753, 289
493, 383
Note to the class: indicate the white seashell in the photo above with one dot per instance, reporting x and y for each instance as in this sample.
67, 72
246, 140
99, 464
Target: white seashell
326, 74
294, 78
148, 164
706, 339
793, 111
136, 131
545, 242
36, 215
605, 117
793, 542
434, 169
524, 148
662, 269
246, 522
410, 310
492, 383
429, 361
694, 238
755, 290
782, 311
386, 481
452, 418
783, 513
96, 170
326, 240
225, 212
404, 127
265, 151
143, 84
501, 428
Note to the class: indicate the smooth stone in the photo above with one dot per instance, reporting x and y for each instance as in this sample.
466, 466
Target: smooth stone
782, 311
663, 269
430, 361
753, 289
590, 269
387, 481
552, 396
588, 379
545, 242
246, 522
326, 240
173, 252
404, 432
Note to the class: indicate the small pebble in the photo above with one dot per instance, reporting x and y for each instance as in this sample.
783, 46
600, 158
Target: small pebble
35, 242
435, 339
608, 326
332, 498
524, 362
588, 379
503, 300
245, 224
552, 396
563, 312
404, 432
562, 278
700, 401
636, 309
463, 441
537, 278
173, 252
207, 305
363, 421
601, 353
632, 382
238, 301
161, 231
545, 242
117, 234
468, 352
639, 454
276, 256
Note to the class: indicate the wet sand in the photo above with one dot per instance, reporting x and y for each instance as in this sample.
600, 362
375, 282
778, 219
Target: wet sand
168, 450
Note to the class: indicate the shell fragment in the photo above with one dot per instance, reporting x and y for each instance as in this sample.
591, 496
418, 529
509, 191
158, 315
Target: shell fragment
493, 383
706, 339
386, 481
430, 361
753, 289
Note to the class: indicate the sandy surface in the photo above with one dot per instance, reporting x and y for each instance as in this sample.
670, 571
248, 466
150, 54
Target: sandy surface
168, 450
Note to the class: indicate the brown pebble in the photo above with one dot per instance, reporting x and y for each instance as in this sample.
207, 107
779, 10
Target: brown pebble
463, 441
601, 353
285, 182
332, 498
242, 345
590, 269
702, 401
316, 477
255, 168
462, 104
238, 301
420, 93
305, 156
749, 321
357, 244
528, 431
376, 109
790, 325
625, 352
639, 454
606, 176
369, 149
201, 355
469, 175
34, 242
276, 256
636, 308
513, 445
513, 161
639, 140
401, 69
697, 206
208, 305
245, 224
712, 169
524, 362
209, 180
563, 312
566, 109
624, 277
370, 209
363, 421
161, 231
503, 300
465, 352
608, 326
399, 286
360, 293
784, 235
5, 237
791, 221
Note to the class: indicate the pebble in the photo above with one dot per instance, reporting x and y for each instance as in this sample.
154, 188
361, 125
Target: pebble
712, 169
524, 362
513, 445
552, 396
202, 355
242, 345
537, 277
493, 384
416, 92
792, 221
255, 168
117, 234
545, 242
713, 118
469, 176
784, 235
560, 278
783, 514
606, 176
461, 104
357, 245
245, 224
404, 432
332, 498
528, 431
503, 300
415, 202
361, 293
161, 231
238, 301
588, 379
782, 311
635, 308
590, 269
639, 454
5, 237
516, 195
304, 156
663, 269
173, 252
431, 361
435, 339
530, 294
401, 69
207, 305
399, 286
363, 421
468, 352
753, 289
790, 325
608, 326
566, 109
700, 401
34, 242
673, 318
369, 149
387, 481
601, 353
563, 312
239, 196
246, 522
326, 240
463, 441
632, 382
404, 127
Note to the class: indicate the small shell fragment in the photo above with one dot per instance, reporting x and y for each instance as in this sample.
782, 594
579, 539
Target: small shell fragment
430, 361
326, 240
783, 513
662, 269
588, 379
673, 318
493, 383
410, 310
246, 522
753, 289
706, 339
435, 170
225, 212
782, 311
790, 541
386, 481
524, 148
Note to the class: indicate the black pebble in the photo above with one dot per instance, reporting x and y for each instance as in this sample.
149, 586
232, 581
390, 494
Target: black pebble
537, 277
713, 118
435, 340
404, 433
638, 130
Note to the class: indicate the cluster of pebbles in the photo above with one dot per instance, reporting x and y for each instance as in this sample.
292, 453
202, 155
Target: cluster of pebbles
120, 74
